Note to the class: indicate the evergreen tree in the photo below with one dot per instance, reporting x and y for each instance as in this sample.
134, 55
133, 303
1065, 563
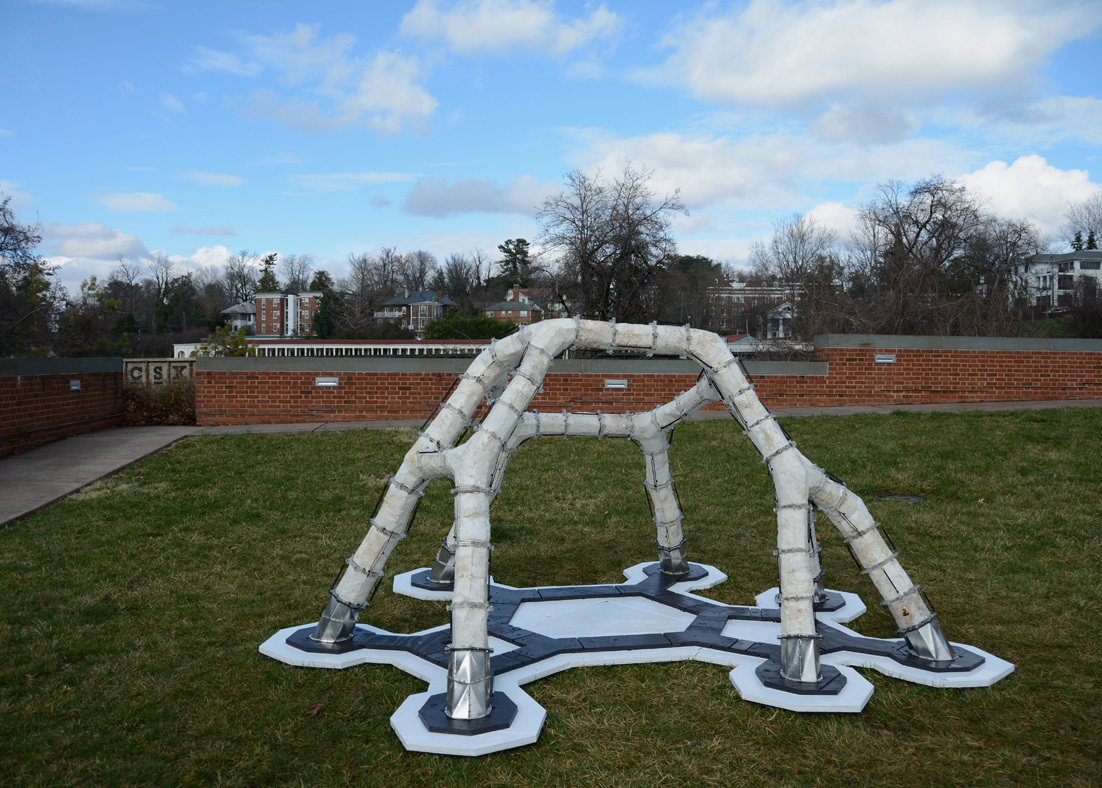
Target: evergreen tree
1092, 242
268, 282
1077, 241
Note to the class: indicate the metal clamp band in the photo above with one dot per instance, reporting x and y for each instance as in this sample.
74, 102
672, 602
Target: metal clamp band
859, 534
796, 597
781, 450
357, 568
397, 536
469, 606
905, 630
762, 420
476, 543
915, 590
407, 490
354, 608
803, 506
880, 564
813, 636
472, 489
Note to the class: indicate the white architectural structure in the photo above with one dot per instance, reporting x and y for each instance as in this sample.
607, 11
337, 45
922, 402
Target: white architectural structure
777, 654
1050, 281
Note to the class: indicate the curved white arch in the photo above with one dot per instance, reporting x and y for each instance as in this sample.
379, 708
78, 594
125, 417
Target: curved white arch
477, 467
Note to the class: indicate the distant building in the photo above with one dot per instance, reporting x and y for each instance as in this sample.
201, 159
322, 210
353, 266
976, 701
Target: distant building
415, 309
1049, 281
765, 310
285, 314
242, 316
520, 312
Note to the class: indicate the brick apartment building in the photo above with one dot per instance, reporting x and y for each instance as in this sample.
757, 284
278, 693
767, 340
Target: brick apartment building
414, 309
286, 314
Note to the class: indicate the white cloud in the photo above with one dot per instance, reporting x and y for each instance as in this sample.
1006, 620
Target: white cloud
1031, 188
706, 169
212, 178
136, 202
1052, 120
202, 257
91, 240
437, 197
350, 181
836, 216
206, 59
20, 200
324, 85
171, 103
865, 122
6, 133
500, 25
216, 229
773, 53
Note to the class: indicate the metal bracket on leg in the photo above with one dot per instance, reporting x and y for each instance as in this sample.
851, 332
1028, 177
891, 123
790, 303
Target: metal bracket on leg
338, 621
800, 658
443, 568
672, 560
470, 683
927, 642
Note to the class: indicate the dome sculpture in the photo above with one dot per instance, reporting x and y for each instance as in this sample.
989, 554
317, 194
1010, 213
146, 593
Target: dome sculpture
471, 715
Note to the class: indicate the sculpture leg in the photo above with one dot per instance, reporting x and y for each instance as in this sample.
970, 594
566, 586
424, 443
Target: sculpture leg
799, 641
470, 678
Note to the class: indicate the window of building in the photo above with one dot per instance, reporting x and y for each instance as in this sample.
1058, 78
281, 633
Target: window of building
1090, 265
1066, 282
524, 313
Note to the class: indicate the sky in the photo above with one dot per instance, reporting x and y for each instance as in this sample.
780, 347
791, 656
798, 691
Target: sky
198, 129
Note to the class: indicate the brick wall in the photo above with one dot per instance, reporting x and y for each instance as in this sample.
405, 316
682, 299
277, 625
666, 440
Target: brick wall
38, 404
845, 372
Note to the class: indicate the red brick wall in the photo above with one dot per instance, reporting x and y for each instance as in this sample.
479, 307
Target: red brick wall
36, 409
945, 375
854, 378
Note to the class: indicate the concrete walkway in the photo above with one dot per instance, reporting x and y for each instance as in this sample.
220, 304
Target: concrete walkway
37, 478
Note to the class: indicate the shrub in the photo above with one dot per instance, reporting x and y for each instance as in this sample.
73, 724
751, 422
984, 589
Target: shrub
170, 403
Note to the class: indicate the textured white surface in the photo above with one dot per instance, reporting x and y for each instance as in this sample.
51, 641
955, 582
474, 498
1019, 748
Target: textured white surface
562, 618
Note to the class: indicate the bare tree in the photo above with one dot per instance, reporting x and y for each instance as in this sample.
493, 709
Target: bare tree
612, 239
241, 276
1084, 219
460, 278
796, 253
124, 283
416, 269
295, 270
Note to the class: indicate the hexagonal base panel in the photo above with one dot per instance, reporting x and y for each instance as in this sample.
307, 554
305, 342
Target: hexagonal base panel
535, 632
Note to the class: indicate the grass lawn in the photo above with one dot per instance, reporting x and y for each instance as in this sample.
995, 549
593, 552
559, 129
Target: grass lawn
132, 611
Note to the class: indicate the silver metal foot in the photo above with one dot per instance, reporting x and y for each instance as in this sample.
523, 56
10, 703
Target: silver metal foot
800, 658
928, 642
337, 623
672, 560
470, 683
443, 568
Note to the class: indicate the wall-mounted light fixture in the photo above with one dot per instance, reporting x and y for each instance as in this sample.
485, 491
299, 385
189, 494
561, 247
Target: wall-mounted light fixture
885, 358
616, 383
328, 383
74, 385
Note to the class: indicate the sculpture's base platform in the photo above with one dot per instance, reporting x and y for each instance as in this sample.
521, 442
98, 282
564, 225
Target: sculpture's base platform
535, 632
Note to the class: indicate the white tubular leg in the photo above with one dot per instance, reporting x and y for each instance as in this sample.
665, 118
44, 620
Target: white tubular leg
916, 622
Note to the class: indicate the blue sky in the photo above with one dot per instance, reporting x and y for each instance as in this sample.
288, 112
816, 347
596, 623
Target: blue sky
199, 129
